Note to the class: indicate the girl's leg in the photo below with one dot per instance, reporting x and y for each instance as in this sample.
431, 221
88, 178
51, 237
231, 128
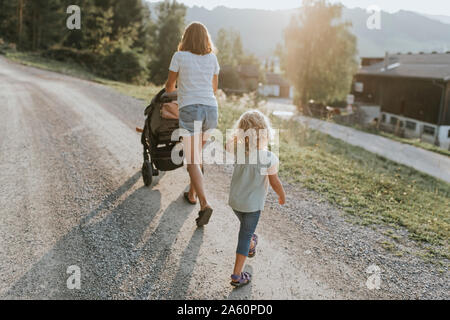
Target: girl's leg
193, 146
249, 221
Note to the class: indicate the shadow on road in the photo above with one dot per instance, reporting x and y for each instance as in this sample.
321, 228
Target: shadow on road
180, 284
111, 248
158, 248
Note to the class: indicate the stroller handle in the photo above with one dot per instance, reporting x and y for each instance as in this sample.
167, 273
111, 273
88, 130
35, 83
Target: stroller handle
170, 95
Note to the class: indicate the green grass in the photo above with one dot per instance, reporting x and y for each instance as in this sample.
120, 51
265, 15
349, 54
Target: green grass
370, 189
72, 69
37, 61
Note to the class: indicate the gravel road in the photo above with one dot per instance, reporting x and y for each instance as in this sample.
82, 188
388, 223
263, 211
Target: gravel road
71, 194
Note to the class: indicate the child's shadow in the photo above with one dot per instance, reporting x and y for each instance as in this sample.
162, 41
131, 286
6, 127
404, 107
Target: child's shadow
245, 292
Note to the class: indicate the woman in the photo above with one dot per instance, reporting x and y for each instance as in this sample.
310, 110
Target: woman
195, 69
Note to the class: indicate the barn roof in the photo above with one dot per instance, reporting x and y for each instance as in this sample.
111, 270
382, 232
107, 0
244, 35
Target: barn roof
424, 66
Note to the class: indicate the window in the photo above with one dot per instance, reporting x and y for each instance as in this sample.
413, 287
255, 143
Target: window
448, 136
428, 130
383, 118
359, 86
411, 125
394, 121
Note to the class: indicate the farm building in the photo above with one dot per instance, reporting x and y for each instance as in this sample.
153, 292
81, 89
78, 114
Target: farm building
276, 86
411, 93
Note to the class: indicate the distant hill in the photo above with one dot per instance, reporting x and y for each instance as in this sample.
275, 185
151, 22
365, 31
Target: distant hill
261, 30
443, 19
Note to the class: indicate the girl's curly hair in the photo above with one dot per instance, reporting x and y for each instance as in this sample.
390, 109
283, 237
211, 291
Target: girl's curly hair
256, 128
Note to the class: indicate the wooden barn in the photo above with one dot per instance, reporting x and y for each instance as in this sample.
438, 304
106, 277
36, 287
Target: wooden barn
412, 92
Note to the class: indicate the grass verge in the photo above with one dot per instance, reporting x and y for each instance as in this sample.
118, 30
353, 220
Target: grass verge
72, 69
370, 189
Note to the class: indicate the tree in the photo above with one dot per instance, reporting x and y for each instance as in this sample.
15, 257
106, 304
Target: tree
229, 47
44, 20
320, 55
8, 20
168, 32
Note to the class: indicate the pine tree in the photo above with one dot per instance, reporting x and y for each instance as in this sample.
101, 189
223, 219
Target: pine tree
169, 28
8, 20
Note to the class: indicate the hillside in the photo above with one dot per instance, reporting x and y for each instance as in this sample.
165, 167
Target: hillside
261, 30
443, 19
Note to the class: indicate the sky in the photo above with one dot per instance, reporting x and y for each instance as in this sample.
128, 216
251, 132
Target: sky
438, 7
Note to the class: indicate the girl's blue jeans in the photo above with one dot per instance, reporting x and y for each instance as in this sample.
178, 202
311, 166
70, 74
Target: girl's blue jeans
249, 221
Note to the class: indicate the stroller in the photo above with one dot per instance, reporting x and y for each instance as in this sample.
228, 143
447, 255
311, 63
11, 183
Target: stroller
157, 139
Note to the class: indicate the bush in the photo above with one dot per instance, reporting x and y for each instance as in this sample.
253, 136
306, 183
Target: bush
118, 66
229, 79
5, 47
85, 58
122, 66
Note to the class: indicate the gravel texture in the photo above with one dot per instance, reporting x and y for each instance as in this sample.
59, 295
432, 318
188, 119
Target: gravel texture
71, 193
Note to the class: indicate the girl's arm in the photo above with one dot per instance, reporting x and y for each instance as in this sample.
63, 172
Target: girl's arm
171, 81
276, 185
230, 146
215, 83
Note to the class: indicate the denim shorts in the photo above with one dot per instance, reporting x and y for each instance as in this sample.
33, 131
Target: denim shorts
205, 116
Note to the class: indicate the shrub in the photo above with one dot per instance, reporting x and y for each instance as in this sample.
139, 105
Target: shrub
122, 66
85, 58
118, 66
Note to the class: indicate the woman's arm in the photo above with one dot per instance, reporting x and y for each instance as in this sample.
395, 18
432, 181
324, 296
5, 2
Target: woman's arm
171, 81
215, 83
276, 185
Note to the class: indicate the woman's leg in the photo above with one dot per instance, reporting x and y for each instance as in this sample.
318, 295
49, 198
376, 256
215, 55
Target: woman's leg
192, 192
193, 146
249, 221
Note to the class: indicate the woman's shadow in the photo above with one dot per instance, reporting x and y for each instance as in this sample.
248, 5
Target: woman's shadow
180, 284
107, 247
158, 248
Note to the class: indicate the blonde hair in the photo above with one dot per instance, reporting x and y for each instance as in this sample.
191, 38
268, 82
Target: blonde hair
256, 121
196, 39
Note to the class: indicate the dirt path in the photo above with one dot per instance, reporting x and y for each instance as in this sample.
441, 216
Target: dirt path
71, 195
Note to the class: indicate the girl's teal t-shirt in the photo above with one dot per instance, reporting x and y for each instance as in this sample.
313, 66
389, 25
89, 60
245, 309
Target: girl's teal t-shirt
250, 181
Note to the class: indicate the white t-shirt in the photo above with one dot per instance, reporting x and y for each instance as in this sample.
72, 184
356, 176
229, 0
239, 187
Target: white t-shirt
195, 75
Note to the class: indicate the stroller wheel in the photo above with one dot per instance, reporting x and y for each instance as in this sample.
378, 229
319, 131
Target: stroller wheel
147, 173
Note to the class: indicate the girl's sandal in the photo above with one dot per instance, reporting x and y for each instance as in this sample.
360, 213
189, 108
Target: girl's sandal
252, 251
242, 280
186, 197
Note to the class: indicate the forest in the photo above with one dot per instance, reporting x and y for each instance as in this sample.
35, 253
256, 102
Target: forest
118, 39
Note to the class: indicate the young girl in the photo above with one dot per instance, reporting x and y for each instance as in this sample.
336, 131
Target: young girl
250, 182
195, 68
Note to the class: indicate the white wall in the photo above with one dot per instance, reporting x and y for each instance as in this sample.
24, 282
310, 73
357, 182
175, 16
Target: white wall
442, 131
269, 90
444, 140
